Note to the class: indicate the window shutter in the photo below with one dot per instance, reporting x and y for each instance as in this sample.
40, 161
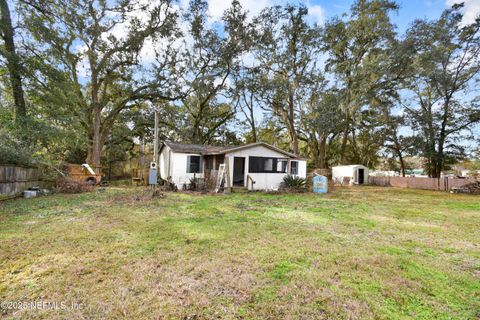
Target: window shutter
189, 164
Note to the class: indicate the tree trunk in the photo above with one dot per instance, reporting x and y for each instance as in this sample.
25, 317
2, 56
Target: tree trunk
293, 136
436, 158
436, 165
402, 163
322, 152
254, 134
343, 150
96, 144
397, 148
252, 124
294, 141
292, 133
291, 125
197, 136
313, 145
13, 61
438, 161
89, 150
436, 168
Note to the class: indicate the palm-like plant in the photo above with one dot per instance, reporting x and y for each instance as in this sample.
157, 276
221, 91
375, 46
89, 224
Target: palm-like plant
293, 183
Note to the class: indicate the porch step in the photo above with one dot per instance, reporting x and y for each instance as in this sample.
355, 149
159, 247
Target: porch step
240, 189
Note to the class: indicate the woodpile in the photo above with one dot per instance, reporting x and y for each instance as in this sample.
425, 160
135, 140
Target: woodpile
471, 188
68, 185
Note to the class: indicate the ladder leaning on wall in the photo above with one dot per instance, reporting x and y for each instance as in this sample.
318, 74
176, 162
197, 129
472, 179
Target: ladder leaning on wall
220, 176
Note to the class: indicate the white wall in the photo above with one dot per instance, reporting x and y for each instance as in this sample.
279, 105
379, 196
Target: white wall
302, 168
263, 181
178, 168
339, 172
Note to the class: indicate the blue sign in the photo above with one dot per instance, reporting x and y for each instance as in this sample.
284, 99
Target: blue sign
320, 184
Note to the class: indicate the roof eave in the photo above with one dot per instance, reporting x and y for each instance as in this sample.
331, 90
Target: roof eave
233, 149
266, 145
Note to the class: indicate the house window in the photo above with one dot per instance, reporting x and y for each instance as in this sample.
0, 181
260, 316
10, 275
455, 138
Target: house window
193, 164
282, 165
264, 165
268, 164
293, 167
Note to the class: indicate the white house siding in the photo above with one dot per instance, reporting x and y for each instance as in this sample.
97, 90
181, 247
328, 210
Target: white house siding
174, 165
302, 168
178, 168
263, 181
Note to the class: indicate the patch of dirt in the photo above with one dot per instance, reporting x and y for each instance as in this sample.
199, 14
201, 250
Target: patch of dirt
143, 196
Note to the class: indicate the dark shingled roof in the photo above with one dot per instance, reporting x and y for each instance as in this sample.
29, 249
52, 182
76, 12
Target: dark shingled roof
210, 150
197, 148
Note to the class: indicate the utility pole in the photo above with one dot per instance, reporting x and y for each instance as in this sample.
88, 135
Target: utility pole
153, 172
155, 139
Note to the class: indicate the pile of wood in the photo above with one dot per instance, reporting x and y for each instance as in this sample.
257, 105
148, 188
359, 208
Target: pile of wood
68, 185
471, 188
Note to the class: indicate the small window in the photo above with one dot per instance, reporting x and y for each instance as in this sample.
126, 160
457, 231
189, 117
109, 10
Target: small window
293, 167
193, 164
282, 165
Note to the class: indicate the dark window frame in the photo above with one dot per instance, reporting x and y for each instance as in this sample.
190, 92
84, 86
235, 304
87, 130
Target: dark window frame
274, 165
296, 167
189, 164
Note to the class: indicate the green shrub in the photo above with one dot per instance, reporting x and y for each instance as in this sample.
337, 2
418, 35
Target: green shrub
14, 151
293, 183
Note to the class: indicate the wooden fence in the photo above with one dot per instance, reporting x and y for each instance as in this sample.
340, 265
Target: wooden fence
442, 184
14, 180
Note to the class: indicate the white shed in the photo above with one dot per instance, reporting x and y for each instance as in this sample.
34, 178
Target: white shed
357, 173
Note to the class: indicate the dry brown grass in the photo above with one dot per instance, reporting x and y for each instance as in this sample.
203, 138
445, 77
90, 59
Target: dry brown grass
357, 253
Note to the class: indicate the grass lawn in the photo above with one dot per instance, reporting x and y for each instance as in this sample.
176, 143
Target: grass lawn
358, 253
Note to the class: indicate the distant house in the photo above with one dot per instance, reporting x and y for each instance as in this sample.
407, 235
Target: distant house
261, 162
355, 174
469, 173
384, 173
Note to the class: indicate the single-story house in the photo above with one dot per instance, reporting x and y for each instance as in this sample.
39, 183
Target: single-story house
355, 173
260, 162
